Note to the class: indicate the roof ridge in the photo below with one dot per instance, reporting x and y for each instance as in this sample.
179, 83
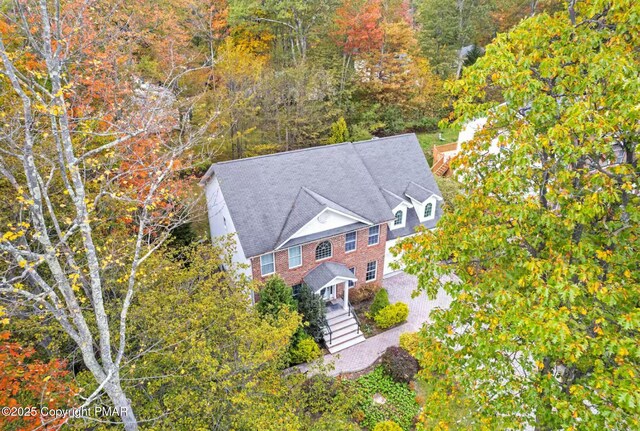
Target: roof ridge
299, 150
392, 193
293, 205
423, 188
342, 207
316, 147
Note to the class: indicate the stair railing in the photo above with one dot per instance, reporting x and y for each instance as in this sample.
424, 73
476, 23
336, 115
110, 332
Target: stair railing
355, 316
326, 326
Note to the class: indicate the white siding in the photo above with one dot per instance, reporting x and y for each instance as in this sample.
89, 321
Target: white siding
221, 223
326, 220
388, 257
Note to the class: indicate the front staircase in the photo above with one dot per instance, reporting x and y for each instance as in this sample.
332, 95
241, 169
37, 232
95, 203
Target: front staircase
341, 328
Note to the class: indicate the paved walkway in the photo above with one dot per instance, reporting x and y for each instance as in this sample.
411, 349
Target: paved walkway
362, 355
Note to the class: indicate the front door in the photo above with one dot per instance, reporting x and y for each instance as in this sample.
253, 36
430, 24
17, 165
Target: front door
328, 293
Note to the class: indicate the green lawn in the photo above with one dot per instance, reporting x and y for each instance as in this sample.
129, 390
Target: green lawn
428, 140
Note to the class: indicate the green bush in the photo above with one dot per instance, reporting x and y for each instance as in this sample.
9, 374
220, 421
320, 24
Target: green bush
399, 364
304, 349
380, 301
400, 407
392, 315
313, 310
274, 296
387, 426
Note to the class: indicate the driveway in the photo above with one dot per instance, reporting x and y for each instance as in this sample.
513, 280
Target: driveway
362, 355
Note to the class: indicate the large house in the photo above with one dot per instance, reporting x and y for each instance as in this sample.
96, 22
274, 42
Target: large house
324, 216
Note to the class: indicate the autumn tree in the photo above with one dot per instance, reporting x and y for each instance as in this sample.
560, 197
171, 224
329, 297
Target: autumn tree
448, 26
200, 356
543, 329
294, 22
29, 382
394, 83
95, 158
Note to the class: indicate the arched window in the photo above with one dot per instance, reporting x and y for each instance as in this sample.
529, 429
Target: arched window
398, 220
323, 250
428, 209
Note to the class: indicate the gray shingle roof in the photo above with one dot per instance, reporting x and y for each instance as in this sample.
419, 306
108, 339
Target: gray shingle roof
271, 197
418, 192
392, 199
322, 274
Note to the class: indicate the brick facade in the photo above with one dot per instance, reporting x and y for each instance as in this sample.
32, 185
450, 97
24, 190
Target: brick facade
357, 258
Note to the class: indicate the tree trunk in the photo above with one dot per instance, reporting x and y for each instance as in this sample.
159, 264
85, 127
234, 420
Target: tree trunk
122, 404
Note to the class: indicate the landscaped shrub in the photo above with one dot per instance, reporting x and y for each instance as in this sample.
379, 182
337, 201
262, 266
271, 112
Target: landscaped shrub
399, 364
304, 349
392, 315
387, 426
399, 401
380, 301
313, 310
363, 293
274, 296
409, 342
321, 394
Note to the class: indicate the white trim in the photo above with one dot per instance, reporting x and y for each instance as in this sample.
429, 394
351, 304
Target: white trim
289, 256
369, 236
273, 257
315, 254
349, 281
375, 277
313, 219
345, 242
336, 280
422, 202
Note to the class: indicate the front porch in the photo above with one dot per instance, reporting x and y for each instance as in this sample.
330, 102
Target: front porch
331, 281
342, 329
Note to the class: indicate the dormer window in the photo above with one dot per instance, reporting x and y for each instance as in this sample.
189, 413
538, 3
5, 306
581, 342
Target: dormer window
428, 210
398, 218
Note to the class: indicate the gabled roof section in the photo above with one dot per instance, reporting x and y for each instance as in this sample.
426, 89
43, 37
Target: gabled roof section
392, 199
419, 193
327, 272
306, 207
396, 161
271, 197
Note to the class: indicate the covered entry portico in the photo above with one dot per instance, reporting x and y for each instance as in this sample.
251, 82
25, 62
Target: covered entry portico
326, 278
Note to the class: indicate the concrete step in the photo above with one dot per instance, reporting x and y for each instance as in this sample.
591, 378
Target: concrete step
338, 332
337, 319
342, 324
336, 347
335, 313
345, 336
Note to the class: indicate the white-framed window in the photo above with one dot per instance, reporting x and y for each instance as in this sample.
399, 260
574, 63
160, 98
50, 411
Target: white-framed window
295, 256
372, 271
428, 210
374, 235
351, 283
350, 241
398, 218
296, 288
267, 264
324, 250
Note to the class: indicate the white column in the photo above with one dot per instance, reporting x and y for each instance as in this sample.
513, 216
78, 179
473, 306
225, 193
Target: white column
345, 300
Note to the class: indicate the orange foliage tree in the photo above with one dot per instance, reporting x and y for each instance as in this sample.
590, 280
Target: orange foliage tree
31, 385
